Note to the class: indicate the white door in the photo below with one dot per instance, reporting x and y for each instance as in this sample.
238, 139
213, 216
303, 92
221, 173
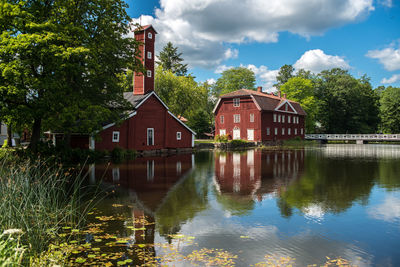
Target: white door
222, 132
236, 133
250, 134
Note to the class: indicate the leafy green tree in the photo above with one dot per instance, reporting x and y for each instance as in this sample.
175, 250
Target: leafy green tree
170, 59
285, 73
346, 104
60, 62
302, 90
390, 110
234, 79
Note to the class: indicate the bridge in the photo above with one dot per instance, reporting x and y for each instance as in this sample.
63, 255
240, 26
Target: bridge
359, 138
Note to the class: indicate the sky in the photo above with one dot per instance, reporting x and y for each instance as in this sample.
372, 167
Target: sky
362, 36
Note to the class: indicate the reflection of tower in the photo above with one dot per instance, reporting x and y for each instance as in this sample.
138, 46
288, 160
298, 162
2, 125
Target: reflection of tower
144, 232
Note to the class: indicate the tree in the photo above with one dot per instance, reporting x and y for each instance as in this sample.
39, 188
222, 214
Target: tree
60, 62
390, 110
170, 59
234, 79
302, 90
285, 73
346, 104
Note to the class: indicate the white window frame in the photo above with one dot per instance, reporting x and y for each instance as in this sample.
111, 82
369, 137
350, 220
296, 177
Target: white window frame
149, 55
152, 139
276, 131
283, 118
150, 35
149, 73
178, 135
268, 131
289, 131
283, 131
295, 131
221, 119
302, 131
236, 118
115, 137
251, 117
289, 118
236, 102
279, 118
274, 117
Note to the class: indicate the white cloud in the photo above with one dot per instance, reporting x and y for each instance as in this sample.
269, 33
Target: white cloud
387, 3
222, 68
211, 81
316, 60
389, 210
395, 78
389, 57
202, 28
267, 77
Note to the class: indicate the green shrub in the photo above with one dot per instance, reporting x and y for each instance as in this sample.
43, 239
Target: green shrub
5, 144
11, 252
221, 138
238, 142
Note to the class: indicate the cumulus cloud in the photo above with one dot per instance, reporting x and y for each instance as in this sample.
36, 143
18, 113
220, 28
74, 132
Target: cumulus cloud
220, 69
316, 61
387, 3
389, 210
395, 78
388, 57
202, 28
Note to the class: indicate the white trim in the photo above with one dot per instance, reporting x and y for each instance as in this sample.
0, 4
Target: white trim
149, 55
112, 124
147, 97
149, 35
147, 135
255, 102
149, 72
216, 105
178, 135
181, 122
281, 104
115, 140
192, 144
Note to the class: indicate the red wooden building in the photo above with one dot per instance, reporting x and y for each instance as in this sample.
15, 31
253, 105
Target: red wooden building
258, 116
150, 125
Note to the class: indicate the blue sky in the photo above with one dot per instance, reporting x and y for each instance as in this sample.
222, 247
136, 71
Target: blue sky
362, 36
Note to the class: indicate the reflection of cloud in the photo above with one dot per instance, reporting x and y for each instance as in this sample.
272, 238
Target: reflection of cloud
314, 212
389, 210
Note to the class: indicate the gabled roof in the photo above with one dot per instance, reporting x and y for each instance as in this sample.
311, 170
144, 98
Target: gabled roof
145, 28
264, 101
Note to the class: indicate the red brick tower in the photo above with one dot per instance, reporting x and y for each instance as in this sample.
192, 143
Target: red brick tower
144, 82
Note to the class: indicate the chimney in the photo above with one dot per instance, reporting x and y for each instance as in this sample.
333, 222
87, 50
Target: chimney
143, 83
259, 89
279, 94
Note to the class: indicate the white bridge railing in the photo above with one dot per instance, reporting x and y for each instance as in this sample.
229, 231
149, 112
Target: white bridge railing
364, 137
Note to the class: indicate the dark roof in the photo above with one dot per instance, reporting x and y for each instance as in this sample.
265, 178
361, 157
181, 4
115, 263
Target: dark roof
144, 28
265, 101
134, 99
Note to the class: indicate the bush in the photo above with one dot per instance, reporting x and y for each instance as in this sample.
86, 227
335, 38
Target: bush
238, 142
221, 138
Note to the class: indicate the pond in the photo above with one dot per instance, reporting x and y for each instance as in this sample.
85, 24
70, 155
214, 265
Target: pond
304, 206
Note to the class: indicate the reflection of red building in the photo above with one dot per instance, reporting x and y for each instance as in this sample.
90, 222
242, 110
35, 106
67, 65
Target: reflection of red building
256, 172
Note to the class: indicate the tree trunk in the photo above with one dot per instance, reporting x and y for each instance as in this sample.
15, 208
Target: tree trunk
36, 129
9, 136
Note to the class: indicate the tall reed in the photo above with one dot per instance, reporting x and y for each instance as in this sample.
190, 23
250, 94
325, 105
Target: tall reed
39, 200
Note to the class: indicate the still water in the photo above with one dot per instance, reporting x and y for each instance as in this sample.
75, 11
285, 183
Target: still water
303, 205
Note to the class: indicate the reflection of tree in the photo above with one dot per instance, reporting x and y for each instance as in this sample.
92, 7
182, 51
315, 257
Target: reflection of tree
182, 203
236, 204
389, 174
331, 184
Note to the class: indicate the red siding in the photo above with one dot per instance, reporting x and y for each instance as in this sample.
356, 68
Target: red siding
133, 131
262, 121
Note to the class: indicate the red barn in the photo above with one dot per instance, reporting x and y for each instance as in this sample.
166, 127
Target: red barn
150, 125
258, 116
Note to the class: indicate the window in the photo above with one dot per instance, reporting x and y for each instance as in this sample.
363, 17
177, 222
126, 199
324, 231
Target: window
150, 136
222, 132
236, 102
279, 118
149, 55
115, 137
283, 118
276, 131
150, 35
268, 131
295, 131
149, 73
301, 131
283, 131
288, 119
297, 120
252, 117
178, 135
289, 131
274, 117
221, 119
236, 118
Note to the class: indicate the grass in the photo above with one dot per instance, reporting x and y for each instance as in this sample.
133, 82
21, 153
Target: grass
11, 251
39, 200
204, 141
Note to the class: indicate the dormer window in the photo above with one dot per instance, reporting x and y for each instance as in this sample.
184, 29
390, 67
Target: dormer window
236, 102
149, 55
150, 35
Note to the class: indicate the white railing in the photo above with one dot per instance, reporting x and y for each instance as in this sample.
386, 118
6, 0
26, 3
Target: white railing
365, 137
